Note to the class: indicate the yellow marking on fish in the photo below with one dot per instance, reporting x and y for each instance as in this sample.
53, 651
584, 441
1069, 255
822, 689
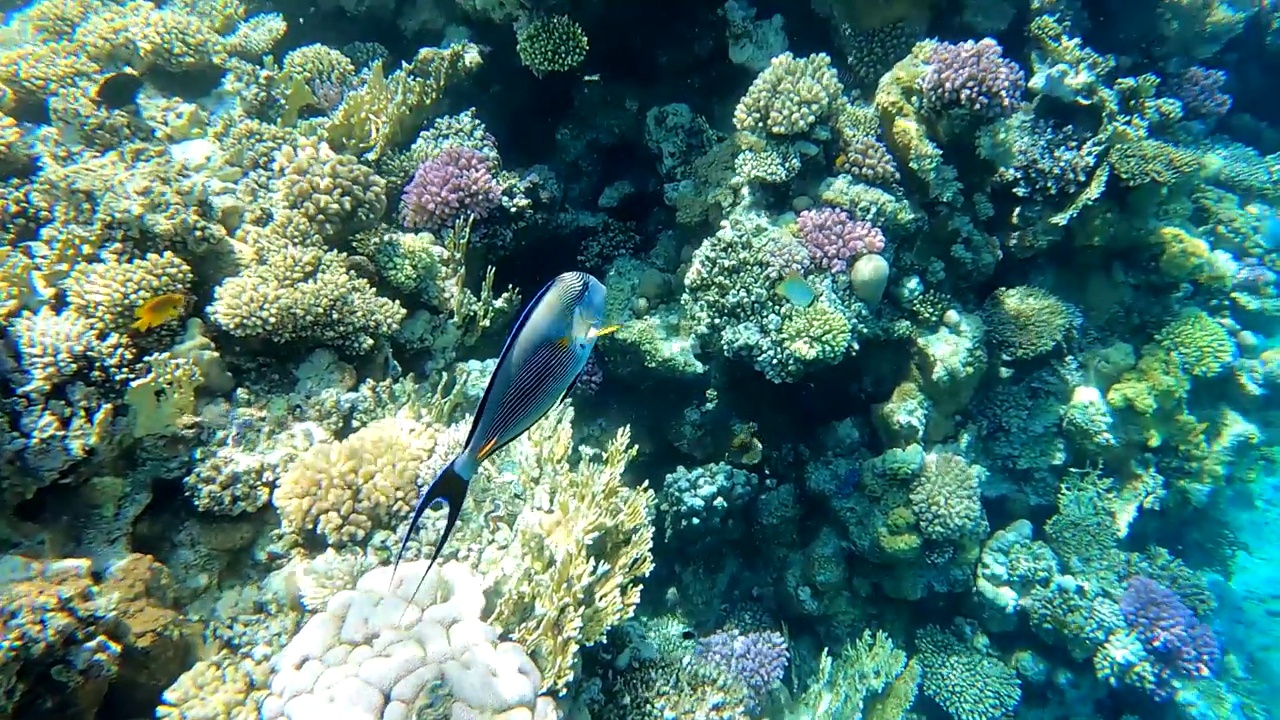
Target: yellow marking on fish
488, 448
563, 342
597, 332
158, 311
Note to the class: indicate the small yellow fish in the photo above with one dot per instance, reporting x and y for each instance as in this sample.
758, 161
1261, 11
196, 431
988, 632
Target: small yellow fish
158, 311
796, 290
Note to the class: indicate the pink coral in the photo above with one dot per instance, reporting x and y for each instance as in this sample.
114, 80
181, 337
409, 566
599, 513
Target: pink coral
448, 187
1200, 91
833, 238
972, 77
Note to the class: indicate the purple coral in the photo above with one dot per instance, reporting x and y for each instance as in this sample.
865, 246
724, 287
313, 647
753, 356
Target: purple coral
972, 77
1179, 644
592, 377
758, 659
834, 239
1200, 92
447, 187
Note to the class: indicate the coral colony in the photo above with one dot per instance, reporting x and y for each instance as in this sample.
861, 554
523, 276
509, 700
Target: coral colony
943, 382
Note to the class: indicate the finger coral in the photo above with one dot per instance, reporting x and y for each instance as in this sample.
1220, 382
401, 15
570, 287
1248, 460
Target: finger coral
453, 185
834, 239
970, 77
790, 96
551, 44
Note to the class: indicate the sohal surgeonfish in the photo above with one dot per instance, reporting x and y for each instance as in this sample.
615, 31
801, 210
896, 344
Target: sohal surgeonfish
541, 362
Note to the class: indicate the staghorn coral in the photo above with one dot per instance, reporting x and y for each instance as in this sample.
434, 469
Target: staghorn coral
790, 96
551, 44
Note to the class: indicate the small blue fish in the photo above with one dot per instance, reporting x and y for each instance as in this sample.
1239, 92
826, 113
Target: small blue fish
543, 359
796, 290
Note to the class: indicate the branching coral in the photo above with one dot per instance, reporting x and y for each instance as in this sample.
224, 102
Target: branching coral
551, 44
343, 490
946, 498
448, 187
790, 96
970, 77
1025, 322
308, 295
580, 551
966, 683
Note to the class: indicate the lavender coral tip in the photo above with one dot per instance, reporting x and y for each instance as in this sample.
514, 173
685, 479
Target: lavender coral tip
1180, 645
833, 238
972, 77
759, 659
449, 186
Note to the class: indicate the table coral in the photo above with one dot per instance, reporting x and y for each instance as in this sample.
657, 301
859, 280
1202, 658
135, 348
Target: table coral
373, 654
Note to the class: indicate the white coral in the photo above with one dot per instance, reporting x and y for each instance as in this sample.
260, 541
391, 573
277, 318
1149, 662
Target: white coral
378, 655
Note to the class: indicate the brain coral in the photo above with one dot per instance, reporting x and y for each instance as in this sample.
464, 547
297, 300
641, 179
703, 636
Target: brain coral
377, 656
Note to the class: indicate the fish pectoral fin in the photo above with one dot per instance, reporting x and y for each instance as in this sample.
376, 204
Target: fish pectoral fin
598, 332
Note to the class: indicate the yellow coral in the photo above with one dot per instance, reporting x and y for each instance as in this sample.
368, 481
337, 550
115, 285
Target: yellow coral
386, 110
1202, 345
343, 490
163, 400
581, 547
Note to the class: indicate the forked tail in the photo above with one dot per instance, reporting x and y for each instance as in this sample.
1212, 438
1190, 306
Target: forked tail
449, 486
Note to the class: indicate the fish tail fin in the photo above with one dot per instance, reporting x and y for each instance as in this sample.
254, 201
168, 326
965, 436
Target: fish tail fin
449, 486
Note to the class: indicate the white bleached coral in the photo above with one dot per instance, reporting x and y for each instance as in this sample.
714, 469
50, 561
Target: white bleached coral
371, 655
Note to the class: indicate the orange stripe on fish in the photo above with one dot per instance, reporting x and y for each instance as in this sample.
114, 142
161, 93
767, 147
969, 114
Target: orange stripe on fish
488, 448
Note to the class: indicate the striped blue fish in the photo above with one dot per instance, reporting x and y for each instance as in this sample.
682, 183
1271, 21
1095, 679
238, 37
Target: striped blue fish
541, 362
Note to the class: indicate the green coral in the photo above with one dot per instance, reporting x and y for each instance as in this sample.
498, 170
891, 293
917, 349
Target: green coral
1026, 322
865, 675
816, 334
551, 44
966, 683
1202, 346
